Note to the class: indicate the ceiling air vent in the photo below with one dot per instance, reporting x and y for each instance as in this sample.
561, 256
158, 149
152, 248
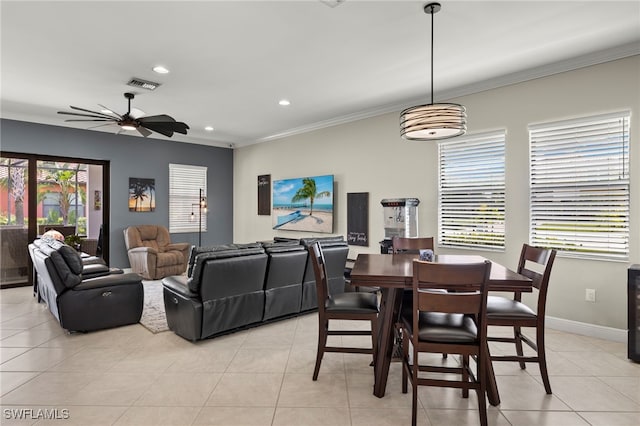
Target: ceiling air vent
143, 84
332, 3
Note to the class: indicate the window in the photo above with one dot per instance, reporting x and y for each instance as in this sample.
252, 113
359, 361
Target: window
580, 186
185, 183
471, 191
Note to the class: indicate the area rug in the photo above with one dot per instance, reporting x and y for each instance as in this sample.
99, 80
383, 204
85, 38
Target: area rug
153, 315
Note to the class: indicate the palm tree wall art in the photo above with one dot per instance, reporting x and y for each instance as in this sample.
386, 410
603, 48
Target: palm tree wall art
303, 204
142, 195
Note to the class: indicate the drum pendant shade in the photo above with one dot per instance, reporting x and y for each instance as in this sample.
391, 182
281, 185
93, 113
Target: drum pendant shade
433, 121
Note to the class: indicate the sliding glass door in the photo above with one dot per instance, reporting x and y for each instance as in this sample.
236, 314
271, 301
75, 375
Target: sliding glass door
14, 180
39, 193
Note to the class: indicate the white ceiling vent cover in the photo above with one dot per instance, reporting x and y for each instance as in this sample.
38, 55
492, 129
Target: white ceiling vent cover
332, 3
143, 84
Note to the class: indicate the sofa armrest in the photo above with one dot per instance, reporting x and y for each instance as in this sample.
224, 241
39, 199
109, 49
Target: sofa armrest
143, 250
184, 247
94, 270
108, 281
178, 284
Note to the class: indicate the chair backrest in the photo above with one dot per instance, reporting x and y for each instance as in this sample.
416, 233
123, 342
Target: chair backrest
429, 275
155, 236
411, 245
320, 270
544, 259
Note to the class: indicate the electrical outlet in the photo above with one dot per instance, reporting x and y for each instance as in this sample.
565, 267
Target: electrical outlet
590, 295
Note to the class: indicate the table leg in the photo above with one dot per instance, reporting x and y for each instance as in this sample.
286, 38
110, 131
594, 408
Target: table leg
389, 308
492, 386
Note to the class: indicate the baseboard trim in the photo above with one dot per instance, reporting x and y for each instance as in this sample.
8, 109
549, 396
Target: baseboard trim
585, 329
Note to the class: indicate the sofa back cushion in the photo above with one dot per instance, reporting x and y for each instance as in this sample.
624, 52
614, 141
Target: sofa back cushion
195, 251
233, 276
65, 262
201, 260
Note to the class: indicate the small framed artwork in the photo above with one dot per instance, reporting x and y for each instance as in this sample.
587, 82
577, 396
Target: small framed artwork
142, 195
97, 199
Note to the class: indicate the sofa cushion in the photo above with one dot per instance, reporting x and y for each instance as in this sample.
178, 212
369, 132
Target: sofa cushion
70, 256
169, 258
195, 278
195, 251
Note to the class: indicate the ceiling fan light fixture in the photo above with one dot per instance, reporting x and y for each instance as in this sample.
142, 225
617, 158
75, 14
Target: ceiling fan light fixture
128, 127
433, 121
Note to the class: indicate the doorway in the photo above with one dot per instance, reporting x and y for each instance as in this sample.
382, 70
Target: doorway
38, 193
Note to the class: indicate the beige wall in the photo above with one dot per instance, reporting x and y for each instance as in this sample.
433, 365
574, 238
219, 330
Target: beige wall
369, 156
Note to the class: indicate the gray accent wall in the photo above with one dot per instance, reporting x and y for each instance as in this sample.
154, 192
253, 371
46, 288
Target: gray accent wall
133, 156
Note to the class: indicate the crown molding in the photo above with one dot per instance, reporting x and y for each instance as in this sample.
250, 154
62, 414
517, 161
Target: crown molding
595, 58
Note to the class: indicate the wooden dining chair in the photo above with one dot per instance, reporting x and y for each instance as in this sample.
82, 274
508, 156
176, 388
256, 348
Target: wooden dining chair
343, 306
511, 312
453, 323
411, 245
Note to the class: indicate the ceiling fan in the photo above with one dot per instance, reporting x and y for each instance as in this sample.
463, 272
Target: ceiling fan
131, 120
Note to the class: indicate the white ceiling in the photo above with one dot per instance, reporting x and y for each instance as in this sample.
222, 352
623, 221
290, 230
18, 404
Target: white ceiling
232, 61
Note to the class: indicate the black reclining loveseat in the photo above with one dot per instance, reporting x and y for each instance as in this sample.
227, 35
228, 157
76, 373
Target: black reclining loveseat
84, 296
233, 286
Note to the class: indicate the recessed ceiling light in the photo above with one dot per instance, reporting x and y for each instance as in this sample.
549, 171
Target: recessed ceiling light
160, 69
284, 102
209, 128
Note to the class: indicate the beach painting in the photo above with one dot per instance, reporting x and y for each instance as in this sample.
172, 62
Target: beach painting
142, 195
303, 204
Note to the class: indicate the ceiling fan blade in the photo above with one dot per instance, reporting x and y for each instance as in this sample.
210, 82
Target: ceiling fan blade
106, 117
100, 125
162, 118
109, 109
165, 121
136, 113
92, 112
159, 128
144, 132
89, 119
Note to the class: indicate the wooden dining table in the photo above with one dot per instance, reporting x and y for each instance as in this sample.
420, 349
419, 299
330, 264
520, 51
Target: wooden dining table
393, 273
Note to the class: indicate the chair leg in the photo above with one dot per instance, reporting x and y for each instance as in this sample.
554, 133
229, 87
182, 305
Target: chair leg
482, 375
414, 401
542, 359
405, 364
482, 404
517, 335
465, 375
322, 343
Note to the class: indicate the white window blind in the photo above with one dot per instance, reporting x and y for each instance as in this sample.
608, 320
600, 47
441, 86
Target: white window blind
185, 182
471, 204
580, 186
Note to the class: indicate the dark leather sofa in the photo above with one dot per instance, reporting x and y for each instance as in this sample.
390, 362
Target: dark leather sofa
233, 286
84, 296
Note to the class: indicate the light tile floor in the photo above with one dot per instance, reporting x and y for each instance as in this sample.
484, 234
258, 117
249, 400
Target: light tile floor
262, 376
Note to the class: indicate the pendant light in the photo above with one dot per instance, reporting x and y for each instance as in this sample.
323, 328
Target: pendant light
433, 121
